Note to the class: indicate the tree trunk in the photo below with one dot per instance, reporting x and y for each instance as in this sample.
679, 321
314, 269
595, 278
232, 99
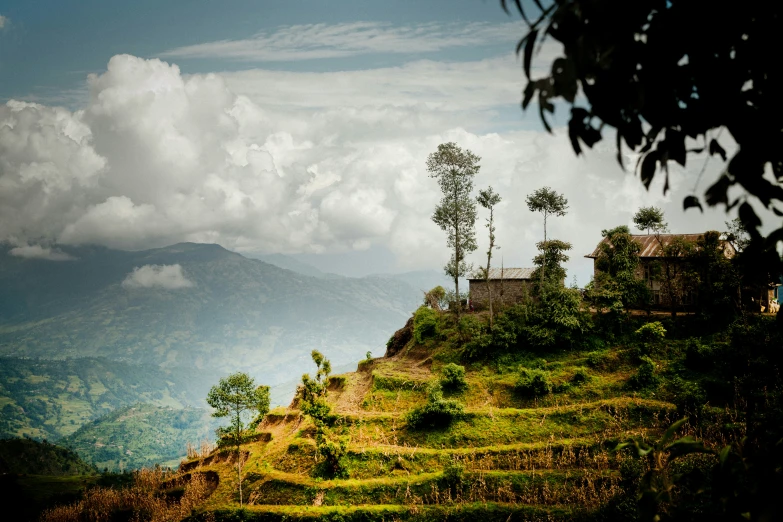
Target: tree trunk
543, 253
456, 255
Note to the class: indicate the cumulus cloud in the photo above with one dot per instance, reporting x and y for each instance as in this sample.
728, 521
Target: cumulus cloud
4, 21
294, 162
40, 252
318, 41
169, 277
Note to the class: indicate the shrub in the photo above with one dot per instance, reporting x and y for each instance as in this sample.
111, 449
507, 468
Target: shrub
651, 332
425, 324
698, 356
453, 378
469, 327
600, 360
580, 376
644, 376
436, 413
533, 383
453, 472
690, 399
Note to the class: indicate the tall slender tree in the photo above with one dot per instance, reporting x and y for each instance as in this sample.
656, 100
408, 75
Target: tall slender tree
454, 169
235, 397
548, 202
488, 199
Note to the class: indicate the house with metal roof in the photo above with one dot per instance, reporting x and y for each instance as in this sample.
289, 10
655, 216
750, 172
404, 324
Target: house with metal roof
651, 252
509, 286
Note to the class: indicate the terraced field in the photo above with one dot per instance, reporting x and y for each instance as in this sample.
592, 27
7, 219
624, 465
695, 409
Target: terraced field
507, 457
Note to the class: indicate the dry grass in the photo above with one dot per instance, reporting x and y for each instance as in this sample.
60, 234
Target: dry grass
143, 500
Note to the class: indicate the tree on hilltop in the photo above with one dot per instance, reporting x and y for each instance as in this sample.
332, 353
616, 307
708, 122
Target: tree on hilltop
488, 198
456, 213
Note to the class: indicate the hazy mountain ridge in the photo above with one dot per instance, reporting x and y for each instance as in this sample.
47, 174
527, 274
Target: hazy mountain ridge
239, 313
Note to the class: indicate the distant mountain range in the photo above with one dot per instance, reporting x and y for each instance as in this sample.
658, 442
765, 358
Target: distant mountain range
193, 305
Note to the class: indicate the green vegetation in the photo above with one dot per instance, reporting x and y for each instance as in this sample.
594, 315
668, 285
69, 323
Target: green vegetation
234, 397
30, 457
455, 214
425, 324
141, 435
436, 413
52, 399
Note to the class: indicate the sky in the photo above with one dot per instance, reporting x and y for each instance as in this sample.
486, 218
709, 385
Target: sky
294, 127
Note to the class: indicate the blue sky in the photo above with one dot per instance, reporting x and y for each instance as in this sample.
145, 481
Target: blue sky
293, 127
49, 46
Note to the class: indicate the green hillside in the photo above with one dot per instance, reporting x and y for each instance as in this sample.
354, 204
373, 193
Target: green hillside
52, 399
528, 435
30, 457
140, 436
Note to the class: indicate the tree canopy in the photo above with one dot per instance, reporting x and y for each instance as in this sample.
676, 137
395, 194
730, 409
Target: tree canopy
670, 77
649, 219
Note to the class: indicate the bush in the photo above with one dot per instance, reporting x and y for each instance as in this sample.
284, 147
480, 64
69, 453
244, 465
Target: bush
533, 383
690, 399
425, 324
453, 378
651, 332
644, 376
601, 360
469, 327
580, 376
698, 356
436, 413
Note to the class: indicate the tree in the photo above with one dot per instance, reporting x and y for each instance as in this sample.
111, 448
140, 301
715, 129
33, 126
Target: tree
672, 270
657, 91
547, 201
616, 282
236, 396
716, 278
488, 199
456, 213
550, 261
649, 219
737, 235
313, 402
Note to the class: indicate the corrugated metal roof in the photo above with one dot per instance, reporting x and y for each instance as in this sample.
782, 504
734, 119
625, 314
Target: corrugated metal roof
507, 273
650, 246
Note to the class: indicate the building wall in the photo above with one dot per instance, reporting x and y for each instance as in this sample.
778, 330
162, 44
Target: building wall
508, 291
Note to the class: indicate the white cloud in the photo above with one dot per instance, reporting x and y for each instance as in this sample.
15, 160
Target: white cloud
39, 252
169, 277
156, 158
319, 41
4, 21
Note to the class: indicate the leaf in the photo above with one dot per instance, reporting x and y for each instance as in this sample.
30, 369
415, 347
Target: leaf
669, 433
691, 201
530, 42
564, 77
750, 221
675, 144
685, 446
530, 91
718, 192
724, 454
715, 148
647, 170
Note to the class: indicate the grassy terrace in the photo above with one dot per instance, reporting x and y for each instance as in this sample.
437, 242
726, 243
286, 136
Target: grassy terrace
508, 454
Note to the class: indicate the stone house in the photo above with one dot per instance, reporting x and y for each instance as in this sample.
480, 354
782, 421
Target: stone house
509, 286
651, 252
